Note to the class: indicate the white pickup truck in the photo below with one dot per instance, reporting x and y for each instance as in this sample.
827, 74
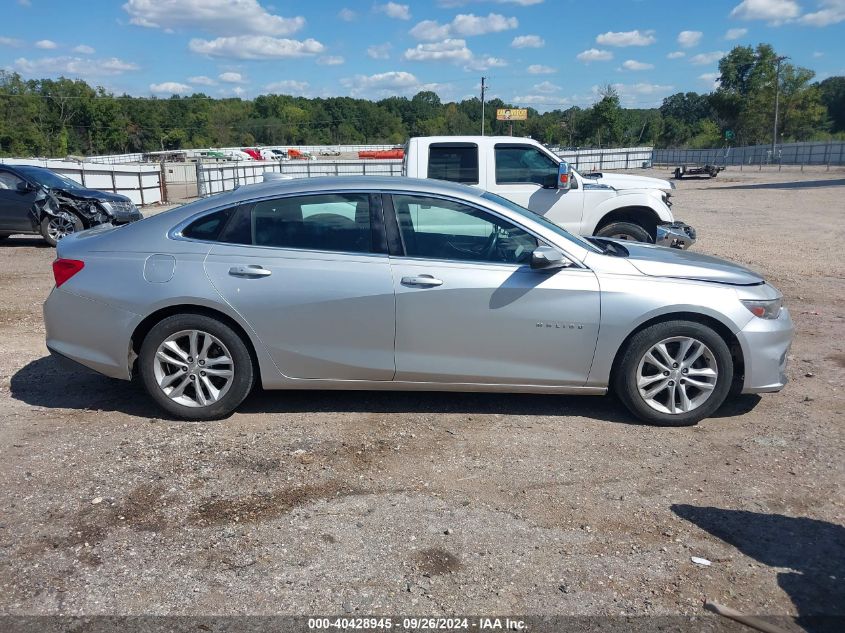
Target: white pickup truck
617, 206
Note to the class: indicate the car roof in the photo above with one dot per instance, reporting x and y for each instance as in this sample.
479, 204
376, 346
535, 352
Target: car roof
364, 183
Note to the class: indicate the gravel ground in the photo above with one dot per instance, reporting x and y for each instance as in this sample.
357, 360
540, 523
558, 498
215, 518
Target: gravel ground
396, 503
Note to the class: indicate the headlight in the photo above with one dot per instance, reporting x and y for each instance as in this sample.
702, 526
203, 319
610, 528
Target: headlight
764, 309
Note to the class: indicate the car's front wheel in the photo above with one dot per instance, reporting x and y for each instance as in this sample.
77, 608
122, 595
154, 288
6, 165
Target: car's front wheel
196, 367
674, 373
60, 225
625, 231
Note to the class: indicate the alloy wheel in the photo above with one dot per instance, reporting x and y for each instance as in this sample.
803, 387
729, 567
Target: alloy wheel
677, 375
61, 225
193, 368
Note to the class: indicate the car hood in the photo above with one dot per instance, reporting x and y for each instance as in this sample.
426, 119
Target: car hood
660, 261
628, 181
91, 194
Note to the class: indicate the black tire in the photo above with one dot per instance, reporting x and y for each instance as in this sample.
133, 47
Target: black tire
626, 372
242, 380
625, 231
678, 173
71, 222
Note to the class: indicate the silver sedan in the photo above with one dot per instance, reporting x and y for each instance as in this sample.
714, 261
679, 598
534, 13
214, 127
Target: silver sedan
402, 284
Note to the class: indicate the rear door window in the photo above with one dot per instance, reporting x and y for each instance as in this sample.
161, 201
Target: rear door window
456, 162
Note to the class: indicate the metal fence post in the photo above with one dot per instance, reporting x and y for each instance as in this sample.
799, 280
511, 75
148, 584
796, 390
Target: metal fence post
141, 186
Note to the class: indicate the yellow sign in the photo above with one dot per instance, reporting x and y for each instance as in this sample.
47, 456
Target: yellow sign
511, 114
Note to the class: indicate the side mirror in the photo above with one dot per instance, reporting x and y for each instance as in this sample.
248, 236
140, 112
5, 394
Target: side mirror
548, 258
563, 176
24, 186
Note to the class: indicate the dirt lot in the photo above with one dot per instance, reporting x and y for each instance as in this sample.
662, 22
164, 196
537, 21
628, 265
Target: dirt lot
357, 503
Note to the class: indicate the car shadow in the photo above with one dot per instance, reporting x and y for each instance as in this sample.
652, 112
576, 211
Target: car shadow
813, 551
44, 383
29, 241
800, 184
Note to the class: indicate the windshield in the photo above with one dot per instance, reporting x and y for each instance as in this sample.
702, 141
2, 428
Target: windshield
536, 217
48, 178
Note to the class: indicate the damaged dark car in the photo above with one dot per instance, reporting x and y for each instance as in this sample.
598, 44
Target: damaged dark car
37, 200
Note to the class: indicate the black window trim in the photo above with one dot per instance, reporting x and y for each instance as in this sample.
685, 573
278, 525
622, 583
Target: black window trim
516, 145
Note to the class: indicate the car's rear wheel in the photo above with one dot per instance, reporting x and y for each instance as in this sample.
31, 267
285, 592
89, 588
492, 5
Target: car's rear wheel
196, 367
625, 231
60, 225
674, 373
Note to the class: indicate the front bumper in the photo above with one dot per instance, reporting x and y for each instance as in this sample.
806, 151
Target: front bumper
675, 235
765, 346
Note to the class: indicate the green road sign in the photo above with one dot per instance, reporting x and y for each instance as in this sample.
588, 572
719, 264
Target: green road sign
729, 134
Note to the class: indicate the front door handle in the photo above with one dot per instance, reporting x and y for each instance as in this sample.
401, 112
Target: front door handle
249, 271
421, 281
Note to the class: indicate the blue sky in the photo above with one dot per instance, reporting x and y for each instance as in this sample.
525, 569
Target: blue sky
543, 53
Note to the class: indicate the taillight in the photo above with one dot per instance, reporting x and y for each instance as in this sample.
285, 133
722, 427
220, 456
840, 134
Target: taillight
64, 269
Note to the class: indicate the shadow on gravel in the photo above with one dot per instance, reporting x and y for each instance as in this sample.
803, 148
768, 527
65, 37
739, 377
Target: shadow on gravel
813, 550
43, 383
800, 184
30, 241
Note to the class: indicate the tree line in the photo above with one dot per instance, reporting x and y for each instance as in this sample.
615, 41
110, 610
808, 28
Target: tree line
60, 117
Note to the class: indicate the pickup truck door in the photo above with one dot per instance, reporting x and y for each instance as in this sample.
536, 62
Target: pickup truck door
470, 309
527, 175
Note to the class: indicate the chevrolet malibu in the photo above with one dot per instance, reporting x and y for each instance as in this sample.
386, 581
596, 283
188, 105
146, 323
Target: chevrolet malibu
405, 284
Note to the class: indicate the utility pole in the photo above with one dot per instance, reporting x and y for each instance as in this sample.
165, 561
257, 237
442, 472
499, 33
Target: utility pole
777, 104
482, 106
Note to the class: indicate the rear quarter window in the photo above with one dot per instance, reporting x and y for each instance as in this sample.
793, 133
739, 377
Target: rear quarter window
208, 227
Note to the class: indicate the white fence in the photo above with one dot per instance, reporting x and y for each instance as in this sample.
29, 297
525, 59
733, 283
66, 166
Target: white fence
589, 159
140, 183
217, 177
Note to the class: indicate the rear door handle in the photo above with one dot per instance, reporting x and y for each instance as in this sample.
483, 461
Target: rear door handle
249, 271
422, 281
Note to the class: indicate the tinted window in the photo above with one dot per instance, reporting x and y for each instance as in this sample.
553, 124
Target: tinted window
332, 222
442, 229
524, 163
48, 178
457, 162
207, 227
8, 180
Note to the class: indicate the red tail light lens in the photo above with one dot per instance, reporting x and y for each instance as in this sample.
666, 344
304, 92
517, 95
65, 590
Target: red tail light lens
64, 269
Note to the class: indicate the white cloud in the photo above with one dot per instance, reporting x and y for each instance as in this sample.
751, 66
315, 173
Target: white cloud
231, 78
347, 15
711, 79
256, 47
773, 11
539, 69
485, 62
10, 41
735, 34
451, 50
46, 44
223, 17
546, 87
833, 12
288, 86
331, 60
626, 38
379, 51
463, 25
594, 55
170, 88
676, 55
83, 49
632, 64
202, 80
703, 59
528, 41
395, 10
73, 66
688, 39
818, 54
640, 93
541, 100
385, 84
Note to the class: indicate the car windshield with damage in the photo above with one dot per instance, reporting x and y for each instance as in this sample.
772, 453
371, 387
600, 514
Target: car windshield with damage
48, 178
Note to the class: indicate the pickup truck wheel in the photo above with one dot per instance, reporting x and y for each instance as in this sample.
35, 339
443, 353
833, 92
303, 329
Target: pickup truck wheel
674, 373
625, 231
55, 227
195, 367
